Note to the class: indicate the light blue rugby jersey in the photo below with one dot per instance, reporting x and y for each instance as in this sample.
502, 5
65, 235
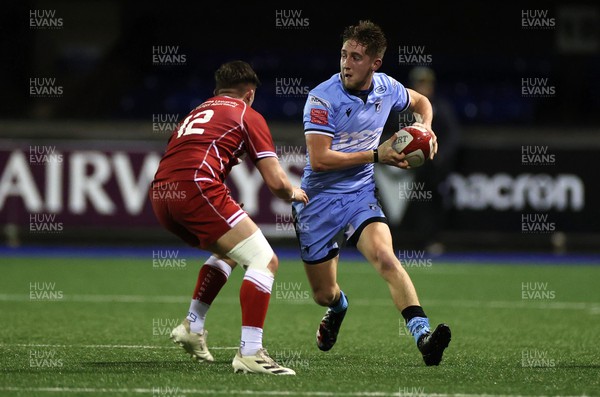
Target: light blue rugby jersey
355, 126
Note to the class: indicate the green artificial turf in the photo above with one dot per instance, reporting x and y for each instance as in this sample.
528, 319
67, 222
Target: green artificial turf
81, 326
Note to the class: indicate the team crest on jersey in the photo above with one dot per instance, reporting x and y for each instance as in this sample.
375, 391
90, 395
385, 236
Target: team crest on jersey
380, 89
378, 106
319, 116
314, 100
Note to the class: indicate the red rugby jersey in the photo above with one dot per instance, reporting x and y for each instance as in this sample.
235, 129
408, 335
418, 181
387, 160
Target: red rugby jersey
213, 138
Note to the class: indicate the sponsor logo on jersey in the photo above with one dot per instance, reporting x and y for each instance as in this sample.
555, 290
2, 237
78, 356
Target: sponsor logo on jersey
319, 116
378, 106
314, 100
380, 89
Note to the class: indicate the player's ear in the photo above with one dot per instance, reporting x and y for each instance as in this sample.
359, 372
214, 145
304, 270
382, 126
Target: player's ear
376, 64
249, 96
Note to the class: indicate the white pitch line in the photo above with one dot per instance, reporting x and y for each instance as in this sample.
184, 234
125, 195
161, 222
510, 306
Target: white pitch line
177, 391
593, 307
59, 346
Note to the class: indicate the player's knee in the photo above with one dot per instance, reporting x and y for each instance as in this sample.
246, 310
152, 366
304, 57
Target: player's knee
324, 297
256, 253
386, 262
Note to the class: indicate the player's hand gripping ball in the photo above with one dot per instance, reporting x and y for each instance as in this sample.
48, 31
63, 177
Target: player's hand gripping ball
416, 143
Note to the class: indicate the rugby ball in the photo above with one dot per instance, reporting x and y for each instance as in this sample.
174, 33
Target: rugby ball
416, 143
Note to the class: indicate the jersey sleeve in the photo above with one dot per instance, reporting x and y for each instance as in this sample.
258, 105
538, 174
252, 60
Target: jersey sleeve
401, 94
318, 116
259, 142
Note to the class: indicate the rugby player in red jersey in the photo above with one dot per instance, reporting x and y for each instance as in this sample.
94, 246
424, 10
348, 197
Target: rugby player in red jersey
191, 200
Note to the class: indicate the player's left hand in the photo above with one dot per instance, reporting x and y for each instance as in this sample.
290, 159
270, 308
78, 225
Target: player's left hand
435, 143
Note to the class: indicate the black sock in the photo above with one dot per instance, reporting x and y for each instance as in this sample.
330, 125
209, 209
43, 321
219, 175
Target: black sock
411, 312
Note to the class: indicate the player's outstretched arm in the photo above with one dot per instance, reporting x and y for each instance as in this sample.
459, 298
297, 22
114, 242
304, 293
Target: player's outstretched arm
278, 181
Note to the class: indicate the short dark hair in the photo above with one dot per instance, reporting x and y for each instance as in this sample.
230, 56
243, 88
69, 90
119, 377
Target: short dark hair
233, 74
368, 34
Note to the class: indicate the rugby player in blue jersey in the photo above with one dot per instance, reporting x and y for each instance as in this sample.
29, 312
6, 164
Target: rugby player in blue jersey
343, 120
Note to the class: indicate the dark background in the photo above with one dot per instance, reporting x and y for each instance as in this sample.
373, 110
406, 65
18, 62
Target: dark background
480, 51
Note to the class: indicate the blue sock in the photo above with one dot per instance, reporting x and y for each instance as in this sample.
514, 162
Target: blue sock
418, 326
341, 305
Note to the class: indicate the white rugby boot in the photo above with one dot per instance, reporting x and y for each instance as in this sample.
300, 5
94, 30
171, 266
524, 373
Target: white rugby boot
260, 363
193, 343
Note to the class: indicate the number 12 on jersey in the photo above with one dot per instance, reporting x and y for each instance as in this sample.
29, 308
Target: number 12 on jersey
191, 123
